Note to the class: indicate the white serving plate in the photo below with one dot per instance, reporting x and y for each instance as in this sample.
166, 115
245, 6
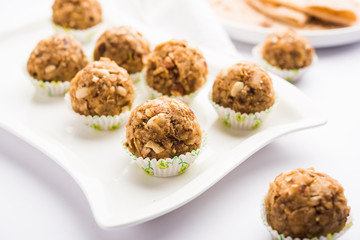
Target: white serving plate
318, 38
120, 193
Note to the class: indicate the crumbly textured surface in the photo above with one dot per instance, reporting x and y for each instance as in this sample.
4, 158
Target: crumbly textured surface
287, 50
306, 204
125, 46
57, 58
176, 69
162, 128
244, 87
101, 88
76, 14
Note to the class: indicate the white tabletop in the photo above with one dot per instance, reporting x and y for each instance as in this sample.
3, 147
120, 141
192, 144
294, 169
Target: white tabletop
39, 200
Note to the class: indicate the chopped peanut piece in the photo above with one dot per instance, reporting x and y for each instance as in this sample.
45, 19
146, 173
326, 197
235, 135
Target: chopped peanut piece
154, 146
237, 87
82, 92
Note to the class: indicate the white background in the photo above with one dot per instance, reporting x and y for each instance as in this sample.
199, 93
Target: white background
39, 200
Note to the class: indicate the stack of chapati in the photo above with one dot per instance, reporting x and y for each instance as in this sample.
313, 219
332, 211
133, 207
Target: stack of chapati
300, 12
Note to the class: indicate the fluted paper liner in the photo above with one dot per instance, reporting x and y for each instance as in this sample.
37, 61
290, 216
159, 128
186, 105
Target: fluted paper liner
238, 120
137, 77
170, 166
52, 88
291, 75
83, 36
101, 123
187, 99
276, 236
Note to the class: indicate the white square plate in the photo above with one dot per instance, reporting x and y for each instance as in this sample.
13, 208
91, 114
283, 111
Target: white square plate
119, 192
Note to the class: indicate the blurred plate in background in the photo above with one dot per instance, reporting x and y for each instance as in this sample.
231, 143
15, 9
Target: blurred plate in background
318, 38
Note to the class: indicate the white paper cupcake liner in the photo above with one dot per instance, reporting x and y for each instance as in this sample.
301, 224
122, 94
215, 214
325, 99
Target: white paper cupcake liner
276, 236
101, 123
291, 75
168, 167
83, 36
187, 99
236, 120
52, 88
137, 77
